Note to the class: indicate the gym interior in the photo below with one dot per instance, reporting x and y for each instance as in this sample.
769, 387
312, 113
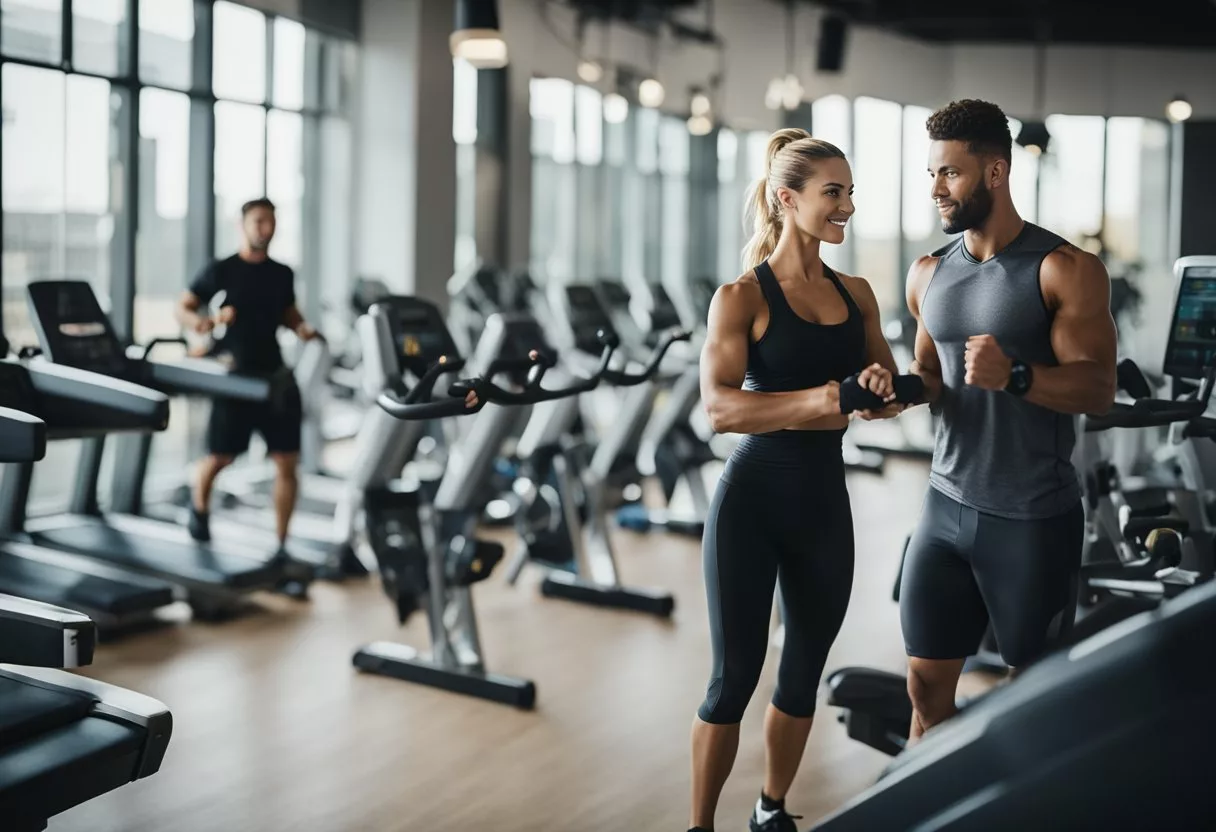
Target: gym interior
495, 616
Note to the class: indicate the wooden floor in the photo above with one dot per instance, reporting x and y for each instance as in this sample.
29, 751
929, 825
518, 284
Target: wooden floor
274, 729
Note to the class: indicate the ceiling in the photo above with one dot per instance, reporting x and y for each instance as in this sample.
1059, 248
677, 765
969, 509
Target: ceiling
1179, 23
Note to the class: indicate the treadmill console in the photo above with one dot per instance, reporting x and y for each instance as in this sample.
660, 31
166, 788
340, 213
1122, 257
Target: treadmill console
1192, 341
72, 328
702, 290
420, 336
664, 315
614, 293
587, 317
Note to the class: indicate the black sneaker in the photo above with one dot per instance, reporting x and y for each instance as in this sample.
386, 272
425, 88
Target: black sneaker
778, 820
199, 525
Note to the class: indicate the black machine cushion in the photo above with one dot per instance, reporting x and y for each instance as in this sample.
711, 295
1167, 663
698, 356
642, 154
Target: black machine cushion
28, 710
67, 766
66, 588
876, 692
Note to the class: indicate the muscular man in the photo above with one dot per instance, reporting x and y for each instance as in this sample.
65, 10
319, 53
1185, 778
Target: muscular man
259, 298
1014, 337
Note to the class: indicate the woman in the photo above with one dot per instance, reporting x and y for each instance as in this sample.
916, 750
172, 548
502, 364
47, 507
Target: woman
780, 341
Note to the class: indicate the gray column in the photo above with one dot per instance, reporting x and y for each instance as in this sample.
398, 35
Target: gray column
1195, 201
492, 184
703, 205
406, 157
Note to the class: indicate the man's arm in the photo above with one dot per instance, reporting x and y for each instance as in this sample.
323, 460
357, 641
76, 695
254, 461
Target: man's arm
724, 365
1083, 336
201, 290
925, 362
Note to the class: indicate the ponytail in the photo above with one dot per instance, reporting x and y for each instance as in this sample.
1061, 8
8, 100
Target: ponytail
766, 226
790, 170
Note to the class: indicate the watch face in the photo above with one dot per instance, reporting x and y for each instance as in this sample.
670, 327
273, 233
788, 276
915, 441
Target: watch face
1019, 378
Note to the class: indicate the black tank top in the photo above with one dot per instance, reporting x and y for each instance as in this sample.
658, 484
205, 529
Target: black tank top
796, 354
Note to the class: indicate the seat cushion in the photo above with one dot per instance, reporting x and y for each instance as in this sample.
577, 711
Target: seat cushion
67, 766
29, 710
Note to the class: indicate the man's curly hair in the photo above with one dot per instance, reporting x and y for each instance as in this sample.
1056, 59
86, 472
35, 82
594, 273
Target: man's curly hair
982, 125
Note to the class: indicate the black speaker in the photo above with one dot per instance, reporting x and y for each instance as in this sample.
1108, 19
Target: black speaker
830, 56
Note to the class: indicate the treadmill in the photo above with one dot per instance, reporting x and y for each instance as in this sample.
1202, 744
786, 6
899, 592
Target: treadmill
75, 334
60, 403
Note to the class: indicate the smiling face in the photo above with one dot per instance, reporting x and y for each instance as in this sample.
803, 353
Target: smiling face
962, 183
821, 209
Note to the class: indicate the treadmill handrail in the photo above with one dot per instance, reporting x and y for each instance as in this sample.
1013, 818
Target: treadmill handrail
426, 384
104, 390
619, 378
533, 393
1145, 413
27, 624
22, 436
147, 348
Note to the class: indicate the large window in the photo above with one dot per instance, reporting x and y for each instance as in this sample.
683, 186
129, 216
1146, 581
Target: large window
166, 36
60, 193
832, 119
464, 133
1070, 182
271, 118
876, 176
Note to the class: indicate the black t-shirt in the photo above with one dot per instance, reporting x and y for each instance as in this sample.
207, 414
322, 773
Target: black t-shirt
260, 293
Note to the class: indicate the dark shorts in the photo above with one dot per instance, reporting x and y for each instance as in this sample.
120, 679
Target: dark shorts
964, 569
277, 420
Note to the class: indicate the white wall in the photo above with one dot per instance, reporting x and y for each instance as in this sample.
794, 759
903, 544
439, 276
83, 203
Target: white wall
1081, 80
1086, 80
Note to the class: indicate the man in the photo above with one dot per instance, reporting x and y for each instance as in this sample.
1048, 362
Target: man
259, 297
1014, 338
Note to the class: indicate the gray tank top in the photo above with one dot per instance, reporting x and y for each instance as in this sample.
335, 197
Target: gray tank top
995, 451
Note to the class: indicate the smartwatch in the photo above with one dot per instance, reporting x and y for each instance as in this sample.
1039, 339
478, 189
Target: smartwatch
1020, 378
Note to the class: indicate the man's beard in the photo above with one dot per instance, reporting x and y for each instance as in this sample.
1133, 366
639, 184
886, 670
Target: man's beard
970, 212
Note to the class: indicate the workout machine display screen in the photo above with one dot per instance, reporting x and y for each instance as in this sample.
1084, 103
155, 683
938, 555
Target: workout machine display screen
587, 317
521, 338
73, 328
703, 289
1192, 343
615, 294
664, 315
419, 335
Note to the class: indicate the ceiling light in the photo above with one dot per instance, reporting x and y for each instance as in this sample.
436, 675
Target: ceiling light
590, 71
1179, 109
476, 37
616, 108
650, 93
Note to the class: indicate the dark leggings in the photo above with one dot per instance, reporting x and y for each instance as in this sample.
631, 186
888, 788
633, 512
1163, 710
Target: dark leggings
781, 514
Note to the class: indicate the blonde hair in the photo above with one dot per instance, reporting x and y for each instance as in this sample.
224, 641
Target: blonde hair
789, 162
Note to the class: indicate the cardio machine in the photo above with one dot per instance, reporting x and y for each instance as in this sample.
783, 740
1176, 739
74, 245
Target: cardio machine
424, 537
75, 333
563, 520
68, 404
668, 448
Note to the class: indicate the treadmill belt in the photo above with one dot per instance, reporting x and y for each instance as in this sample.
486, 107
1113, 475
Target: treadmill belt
64, 587
164, 558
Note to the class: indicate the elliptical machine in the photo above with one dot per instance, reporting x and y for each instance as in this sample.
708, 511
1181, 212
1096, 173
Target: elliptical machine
424, 533
563, 519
